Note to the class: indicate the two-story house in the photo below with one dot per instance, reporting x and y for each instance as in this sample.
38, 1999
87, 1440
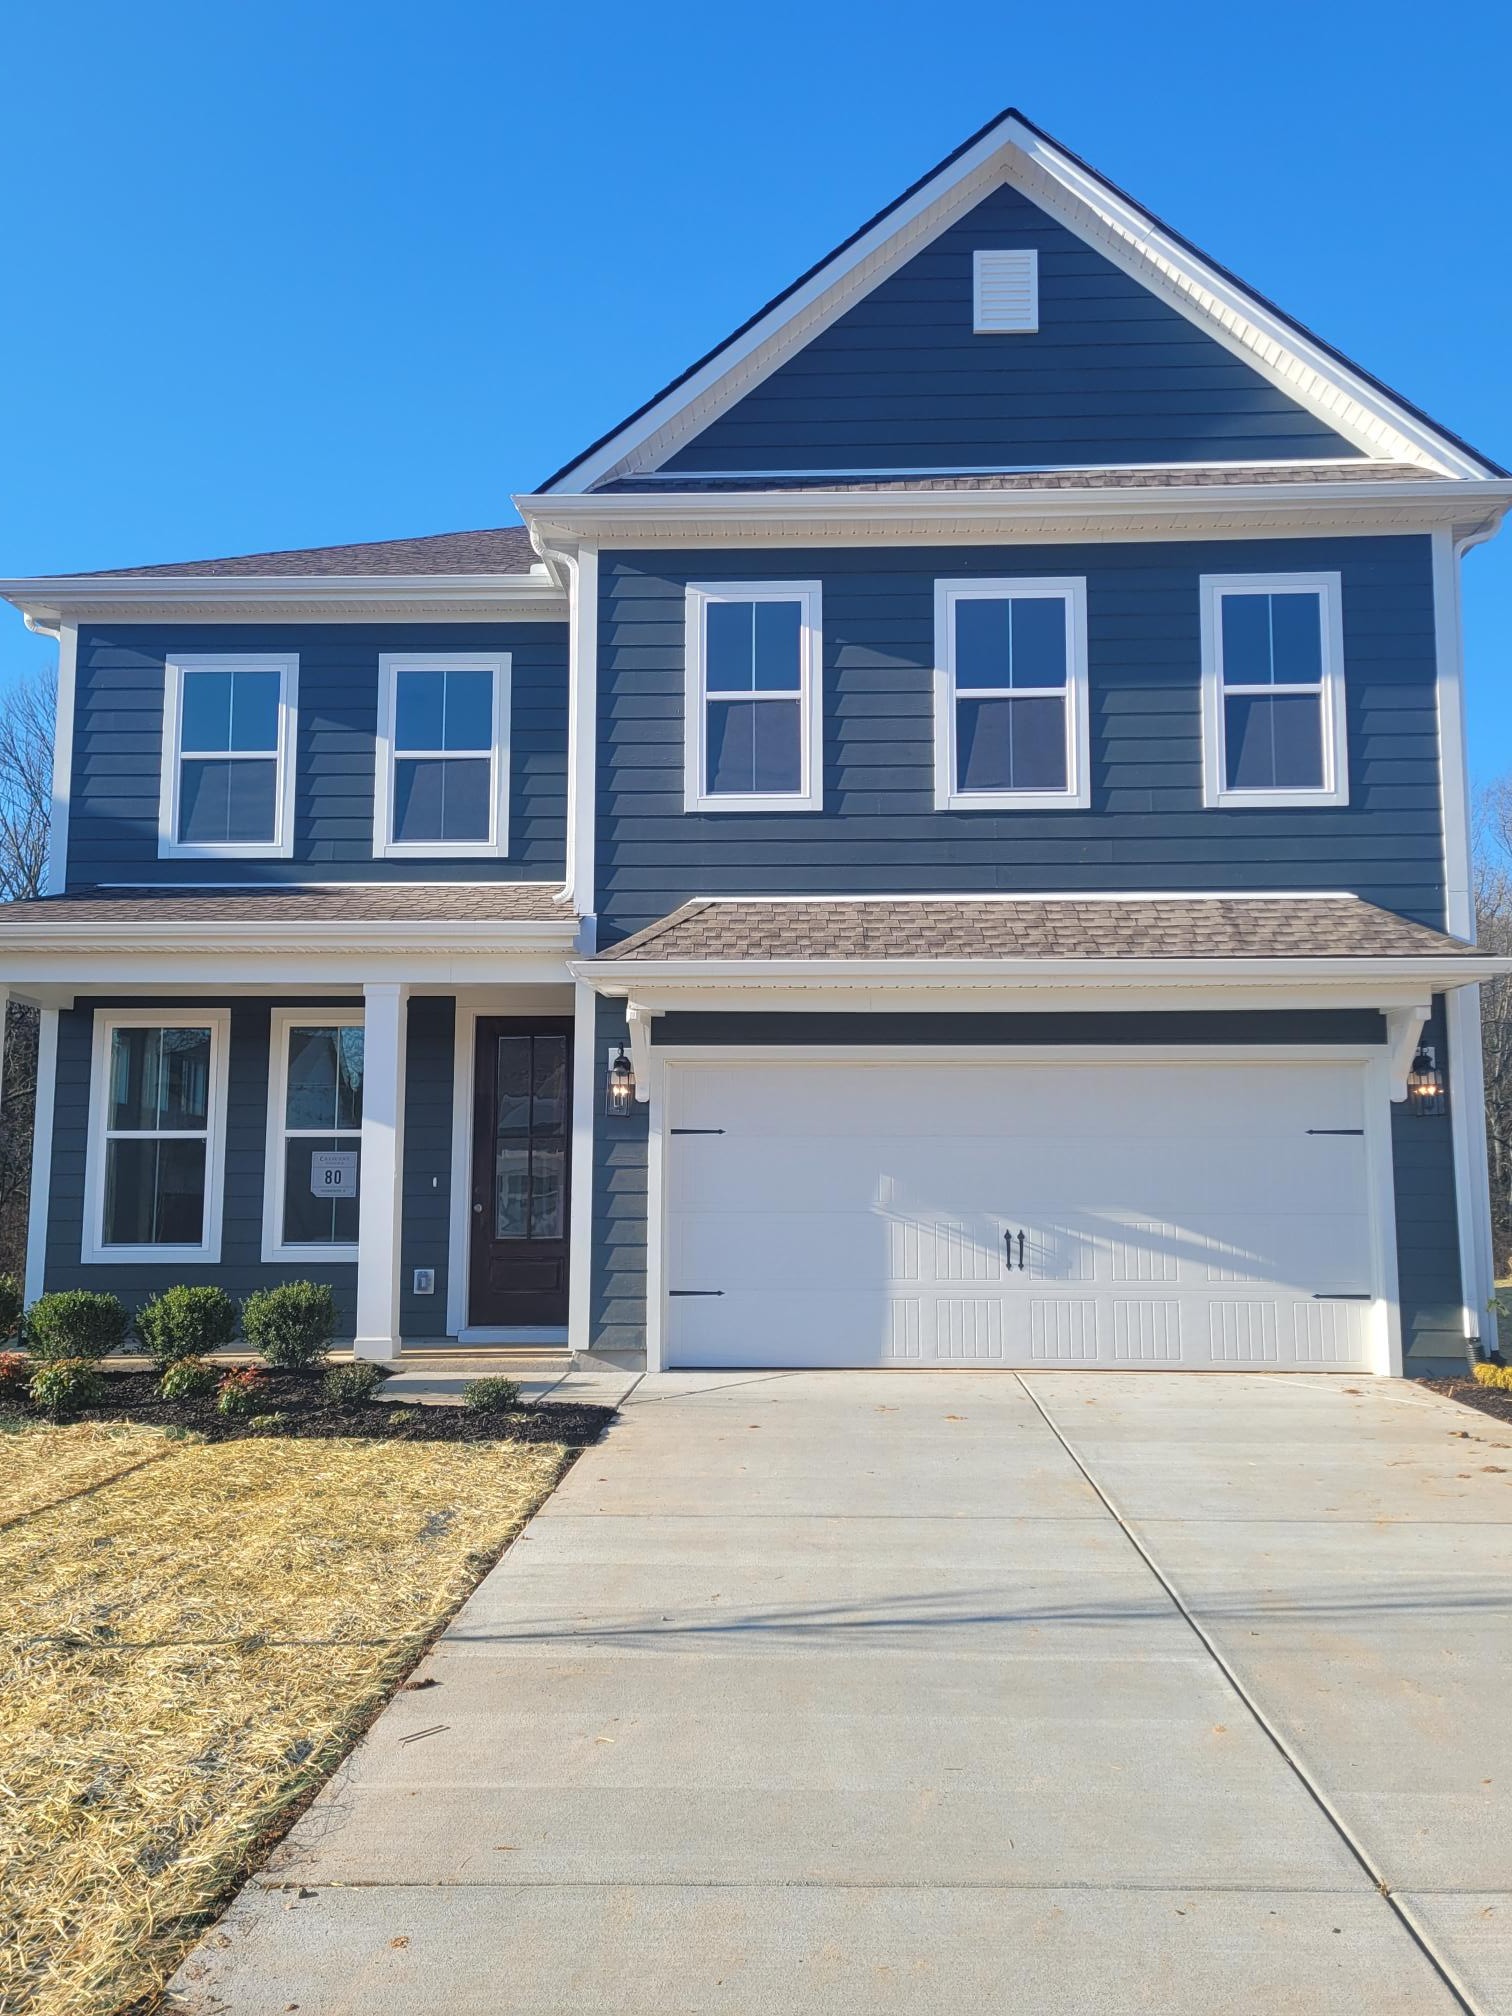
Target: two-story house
941, 840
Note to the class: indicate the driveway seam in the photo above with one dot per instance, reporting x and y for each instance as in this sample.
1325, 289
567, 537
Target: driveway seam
1293, 1764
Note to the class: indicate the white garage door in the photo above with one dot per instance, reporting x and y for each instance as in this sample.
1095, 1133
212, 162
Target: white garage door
1209, 1215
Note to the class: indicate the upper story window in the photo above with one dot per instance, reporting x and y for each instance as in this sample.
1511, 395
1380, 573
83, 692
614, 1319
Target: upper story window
1273, 730
1011, 695
228, 757
154, 1168
442, 786
754, 721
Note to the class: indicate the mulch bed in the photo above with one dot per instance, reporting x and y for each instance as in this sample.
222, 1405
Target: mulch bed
1493, 1400
306, 1413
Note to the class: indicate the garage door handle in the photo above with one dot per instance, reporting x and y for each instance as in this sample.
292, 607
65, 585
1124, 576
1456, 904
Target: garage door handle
1008, 1246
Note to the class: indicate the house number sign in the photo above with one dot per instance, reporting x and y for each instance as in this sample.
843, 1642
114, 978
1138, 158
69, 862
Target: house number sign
333, 1172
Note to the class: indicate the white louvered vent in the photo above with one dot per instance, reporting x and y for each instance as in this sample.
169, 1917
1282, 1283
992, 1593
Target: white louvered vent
1005, 294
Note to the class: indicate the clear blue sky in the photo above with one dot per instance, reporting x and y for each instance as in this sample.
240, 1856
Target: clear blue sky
287, 275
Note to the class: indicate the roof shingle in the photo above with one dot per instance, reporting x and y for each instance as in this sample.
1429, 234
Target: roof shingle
305, 903
503, 549
1196, 476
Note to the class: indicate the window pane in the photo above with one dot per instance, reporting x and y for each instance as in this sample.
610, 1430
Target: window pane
983, 625
254, 710
1274, 744
1004, 640
227, 802
1297, 639
548, 1190
308, 1219
548, 1106
325, 1078
1011, 745
511, 1190
1039, 640
754, 745
154, 1193
469, 710
443, 798
419, 710
730, 647
779, 628
1246, 640
159, 1078
514, 1085
206, 722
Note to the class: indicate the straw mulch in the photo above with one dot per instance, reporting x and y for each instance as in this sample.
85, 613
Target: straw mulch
38, 1466
185, 1653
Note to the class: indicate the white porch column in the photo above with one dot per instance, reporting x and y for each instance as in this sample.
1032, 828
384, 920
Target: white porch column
381, 1193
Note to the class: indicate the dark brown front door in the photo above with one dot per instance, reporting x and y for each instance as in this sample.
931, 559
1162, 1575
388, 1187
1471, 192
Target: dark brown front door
522, 1134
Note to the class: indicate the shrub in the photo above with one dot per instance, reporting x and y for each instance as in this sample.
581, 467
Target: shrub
267, 1424
75, 1323
185, 1323
353, 1385
187, 1379
12, 1302
64, 1385
490, 1396
1494, 1375
291, 1325
242, 1392
15, 1371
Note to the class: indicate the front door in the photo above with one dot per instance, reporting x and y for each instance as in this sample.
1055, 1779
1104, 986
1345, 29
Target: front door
521, 1148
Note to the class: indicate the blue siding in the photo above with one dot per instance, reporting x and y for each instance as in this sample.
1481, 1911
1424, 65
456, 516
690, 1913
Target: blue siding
617, 1315
1146, 827
1113, 375
1427, 1229
118, 725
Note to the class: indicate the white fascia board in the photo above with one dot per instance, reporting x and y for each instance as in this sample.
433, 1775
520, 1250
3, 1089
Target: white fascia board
327, 598
1407, 977
1321, 383
1232, 511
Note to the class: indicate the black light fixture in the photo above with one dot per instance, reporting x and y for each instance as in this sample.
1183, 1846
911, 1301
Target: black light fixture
619, 1088
1425, 1083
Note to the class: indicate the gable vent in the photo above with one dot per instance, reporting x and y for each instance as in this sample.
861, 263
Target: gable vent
1005, 293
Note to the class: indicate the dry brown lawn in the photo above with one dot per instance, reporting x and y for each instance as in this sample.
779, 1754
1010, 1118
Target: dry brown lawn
191, 1635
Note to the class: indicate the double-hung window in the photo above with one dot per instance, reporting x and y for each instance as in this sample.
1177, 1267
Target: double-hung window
1011, 695
155, 1159
228, 757
754, 721
443, 755
1273, 727
314, 1135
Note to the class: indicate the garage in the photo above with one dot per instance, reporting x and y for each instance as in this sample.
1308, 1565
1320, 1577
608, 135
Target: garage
1212, 1214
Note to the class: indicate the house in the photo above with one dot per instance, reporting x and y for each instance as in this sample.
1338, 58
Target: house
940, 840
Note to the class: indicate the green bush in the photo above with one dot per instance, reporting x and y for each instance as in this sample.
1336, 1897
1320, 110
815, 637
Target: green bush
292, 1325
12, 1302
186, 1323
1494, 1375
241, 1393
187, 1379
75, 1323
15, 1371
64, 1385
353, 1385
491, 1396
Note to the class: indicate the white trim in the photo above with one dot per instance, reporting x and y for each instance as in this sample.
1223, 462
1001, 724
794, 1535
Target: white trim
380, 1201
656, 1212
1380, 1176
94, 1252
1071, 591
459, 1230
585, 1083
282, 1021
1465, 1081
1454, 771
809, 698
39, 1201
1216, 790
582, 729
56, 880
288, 598
282, 755
386, 754
1004, 292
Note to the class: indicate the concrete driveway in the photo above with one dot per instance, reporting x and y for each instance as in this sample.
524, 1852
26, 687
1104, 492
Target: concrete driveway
873, 1692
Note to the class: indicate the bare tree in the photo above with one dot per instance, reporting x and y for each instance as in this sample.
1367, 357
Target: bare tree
27, 713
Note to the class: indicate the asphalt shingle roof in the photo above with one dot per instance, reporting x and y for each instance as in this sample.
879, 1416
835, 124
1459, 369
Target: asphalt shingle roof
504, 549
1197, 476
308, 903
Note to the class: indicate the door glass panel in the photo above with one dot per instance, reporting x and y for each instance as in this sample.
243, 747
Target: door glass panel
530, 1149
512, 1190
548, 1171
549, 1090
514, 1085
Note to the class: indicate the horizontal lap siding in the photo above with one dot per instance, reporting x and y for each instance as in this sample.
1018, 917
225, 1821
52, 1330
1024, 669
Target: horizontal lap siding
1113, 374
118, 726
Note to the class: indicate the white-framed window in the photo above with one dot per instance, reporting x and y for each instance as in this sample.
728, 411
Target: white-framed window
754, 720
442, 784
314, 1158
1010, 699
1273, 726
228, 757
155, 1161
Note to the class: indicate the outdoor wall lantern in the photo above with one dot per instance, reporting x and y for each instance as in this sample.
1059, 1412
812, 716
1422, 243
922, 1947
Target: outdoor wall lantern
1425, 1082
619, 1087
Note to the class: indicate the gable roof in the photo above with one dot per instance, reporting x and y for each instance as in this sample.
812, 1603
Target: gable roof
502, 549
1315, 374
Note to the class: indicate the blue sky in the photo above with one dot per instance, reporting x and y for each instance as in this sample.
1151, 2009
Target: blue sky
294, 275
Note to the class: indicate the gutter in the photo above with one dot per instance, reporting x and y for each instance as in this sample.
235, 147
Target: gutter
47, 600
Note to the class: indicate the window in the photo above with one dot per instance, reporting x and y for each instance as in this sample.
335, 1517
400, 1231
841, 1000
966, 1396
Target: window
1011, 695
1005, 293
228, 757
1273, 690
314, 1158
443, 760
154, 1164
755, 735
530, 1137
